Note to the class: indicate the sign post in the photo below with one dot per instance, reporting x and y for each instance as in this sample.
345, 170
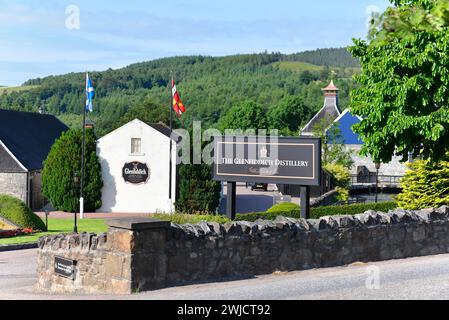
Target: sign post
305, 202
231, 199
277, 160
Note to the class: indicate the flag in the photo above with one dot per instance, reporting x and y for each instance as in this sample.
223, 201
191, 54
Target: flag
90, 93
177, 103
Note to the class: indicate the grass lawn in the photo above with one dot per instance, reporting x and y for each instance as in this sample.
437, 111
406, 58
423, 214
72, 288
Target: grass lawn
56, 226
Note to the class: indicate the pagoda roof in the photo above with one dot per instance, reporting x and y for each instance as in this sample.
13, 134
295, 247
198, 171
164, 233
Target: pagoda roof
331, 87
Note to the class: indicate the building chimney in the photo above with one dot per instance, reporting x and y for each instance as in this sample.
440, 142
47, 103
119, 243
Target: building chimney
331, 96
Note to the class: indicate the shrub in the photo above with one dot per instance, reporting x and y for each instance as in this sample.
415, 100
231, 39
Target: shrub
197, 191
284, 206
18, 213
425, 185
318, 212
190, 218
340, 175
62, 162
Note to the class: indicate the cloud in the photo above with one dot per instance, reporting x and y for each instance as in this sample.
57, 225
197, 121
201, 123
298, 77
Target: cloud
370, 11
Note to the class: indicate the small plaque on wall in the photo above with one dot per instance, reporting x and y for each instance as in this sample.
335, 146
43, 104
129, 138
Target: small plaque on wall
65, 267
136, 172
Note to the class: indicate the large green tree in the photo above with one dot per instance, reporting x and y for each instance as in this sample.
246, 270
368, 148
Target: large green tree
288, 115
404, 92
198, 193
63, 163
245, 115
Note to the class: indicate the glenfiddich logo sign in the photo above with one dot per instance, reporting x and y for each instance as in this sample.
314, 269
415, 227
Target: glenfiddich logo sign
136, 172
279, 160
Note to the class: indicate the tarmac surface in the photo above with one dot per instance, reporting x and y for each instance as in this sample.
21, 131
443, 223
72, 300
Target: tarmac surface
414, 278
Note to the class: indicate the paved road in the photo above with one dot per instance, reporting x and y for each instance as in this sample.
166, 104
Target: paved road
415, 278
251, 201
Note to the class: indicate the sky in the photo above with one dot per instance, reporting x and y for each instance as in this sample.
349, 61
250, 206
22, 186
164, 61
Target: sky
46, 37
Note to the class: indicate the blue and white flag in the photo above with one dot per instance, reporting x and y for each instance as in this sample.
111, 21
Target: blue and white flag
90, 93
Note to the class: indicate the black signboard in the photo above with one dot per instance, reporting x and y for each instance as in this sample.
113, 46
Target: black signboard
278, 160
65, 267
136, 172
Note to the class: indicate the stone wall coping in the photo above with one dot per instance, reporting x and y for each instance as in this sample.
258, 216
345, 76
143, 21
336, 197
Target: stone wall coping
137, 223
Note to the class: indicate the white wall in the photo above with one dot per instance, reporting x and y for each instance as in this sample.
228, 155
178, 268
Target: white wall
394, 168
114, 150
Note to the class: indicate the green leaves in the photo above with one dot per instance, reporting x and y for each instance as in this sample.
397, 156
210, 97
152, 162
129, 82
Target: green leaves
60, 166
198, 193
403, 86
425, 185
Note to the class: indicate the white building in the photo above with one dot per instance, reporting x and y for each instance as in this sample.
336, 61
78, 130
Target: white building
135, 167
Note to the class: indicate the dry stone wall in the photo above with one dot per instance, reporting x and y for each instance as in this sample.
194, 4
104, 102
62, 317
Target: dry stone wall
144, 254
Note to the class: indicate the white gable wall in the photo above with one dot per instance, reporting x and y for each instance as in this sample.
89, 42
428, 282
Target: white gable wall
114, 150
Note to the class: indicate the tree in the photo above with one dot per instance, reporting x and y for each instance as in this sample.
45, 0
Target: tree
288, 115
149, 112
63, 161
307, 77
404, 98
425, 185
246, 115
198, 193
332, 144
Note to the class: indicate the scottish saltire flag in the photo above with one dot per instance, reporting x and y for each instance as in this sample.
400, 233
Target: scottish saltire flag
90, 93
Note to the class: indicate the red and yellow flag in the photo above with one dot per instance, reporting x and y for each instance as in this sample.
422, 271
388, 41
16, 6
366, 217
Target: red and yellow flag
177, 103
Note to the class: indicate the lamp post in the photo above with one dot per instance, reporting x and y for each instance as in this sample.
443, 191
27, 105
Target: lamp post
377, 164
76, 180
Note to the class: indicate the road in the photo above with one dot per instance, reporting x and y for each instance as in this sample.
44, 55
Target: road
251, 201
415, 278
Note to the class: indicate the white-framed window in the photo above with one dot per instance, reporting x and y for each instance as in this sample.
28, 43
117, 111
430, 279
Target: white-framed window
136, 145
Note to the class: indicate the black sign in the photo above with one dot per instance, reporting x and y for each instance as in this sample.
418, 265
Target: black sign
269, 160
65, 267
136, 172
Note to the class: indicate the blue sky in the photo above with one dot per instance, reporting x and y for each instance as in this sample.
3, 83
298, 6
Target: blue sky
38, 38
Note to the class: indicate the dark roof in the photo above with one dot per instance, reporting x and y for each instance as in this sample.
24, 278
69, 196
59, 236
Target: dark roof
29, 136
330, 112
165, 130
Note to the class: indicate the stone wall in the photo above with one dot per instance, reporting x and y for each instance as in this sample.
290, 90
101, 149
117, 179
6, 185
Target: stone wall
14, 184
146, 254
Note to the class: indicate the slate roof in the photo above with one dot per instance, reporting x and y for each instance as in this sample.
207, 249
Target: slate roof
29, 136
164, 129
330, 111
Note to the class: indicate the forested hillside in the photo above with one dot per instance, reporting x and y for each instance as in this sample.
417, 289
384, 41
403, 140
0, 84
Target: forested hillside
209, 86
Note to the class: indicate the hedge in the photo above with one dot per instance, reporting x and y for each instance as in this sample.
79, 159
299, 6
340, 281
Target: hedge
318, 212
286, 209
190, 218
18, 213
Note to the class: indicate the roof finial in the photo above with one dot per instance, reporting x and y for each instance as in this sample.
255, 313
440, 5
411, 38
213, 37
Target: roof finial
331, 87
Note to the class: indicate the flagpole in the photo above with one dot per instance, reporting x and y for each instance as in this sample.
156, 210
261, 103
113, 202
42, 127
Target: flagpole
171, 145
170, 150
83, 153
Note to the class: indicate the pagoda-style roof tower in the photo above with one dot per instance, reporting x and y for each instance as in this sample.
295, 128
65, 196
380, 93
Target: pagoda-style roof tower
330, 110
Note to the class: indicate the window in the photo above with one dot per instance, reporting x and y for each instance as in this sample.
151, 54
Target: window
136, 144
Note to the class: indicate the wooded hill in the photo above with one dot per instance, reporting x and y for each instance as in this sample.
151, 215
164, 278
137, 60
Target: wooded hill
209, 86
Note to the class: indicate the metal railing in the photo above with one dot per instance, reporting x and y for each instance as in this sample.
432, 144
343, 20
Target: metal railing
383, 180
